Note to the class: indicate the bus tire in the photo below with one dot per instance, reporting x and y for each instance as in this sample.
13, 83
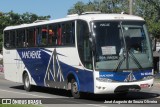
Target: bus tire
74, 89
27, 84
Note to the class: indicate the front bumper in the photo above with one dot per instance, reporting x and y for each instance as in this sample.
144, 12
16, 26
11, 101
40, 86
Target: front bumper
116, 87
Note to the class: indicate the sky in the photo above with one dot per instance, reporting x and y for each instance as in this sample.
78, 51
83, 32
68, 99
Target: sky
55, 8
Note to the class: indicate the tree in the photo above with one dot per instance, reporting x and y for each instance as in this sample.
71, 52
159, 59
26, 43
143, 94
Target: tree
11, 18
150, 11
105, 6
78, 8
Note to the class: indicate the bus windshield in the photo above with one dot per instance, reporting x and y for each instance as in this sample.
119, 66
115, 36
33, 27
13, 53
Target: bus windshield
121, 45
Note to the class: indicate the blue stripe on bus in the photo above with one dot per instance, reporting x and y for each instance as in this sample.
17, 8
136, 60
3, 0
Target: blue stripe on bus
121, 76
37, 66
52, 51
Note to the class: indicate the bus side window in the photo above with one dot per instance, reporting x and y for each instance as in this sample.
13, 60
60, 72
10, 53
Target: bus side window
68, 36
68, 33
52, 35
54, 39
38, 36
31, 37
72, 33
12, 38
59, 35
44, 34
64, 27
6, 39
20, 39
41, 36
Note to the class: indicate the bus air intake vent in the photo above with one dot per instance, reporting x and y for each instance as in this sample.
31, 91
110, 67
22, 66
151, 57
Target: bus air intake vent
127, 88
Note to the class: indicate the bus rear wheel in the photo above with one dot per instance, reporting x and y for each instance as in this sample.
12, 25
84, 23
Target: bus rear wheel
27, 85
74, 89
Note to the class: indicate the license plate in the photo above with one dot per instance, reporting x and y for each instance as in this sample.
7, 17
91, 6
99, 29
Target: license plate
144, 85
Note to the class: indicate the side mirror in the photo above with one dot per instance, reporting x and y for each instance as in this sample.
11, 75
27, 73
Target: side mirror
93, 43
153, 43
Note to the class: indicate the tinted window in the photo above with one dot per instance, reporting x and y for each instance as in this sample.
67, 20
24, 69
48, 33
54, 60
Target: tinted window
31, 37
52, 34
84, 44
68, 30
6, 39
20, 38
12, 38
58, 34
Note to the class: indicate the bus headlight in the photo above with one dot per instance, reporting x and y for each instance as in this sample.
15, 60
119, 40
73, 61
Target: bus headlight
104, 80
147, 78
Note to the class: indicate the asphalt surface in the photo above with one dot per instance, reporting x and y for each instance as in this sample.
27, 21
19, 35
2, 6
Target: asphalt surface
63, 98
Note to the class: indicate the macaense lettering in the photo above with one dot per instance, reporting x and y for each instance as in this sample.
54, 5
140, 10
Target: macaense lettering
31, 55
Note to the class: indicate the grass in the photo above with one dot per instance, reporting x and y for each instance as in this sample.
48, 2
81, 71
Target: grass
18, 105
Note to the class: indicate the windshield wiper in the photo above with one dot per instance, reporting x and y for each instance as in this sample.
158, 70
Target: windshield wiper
135, 60
126, 54
120, 63
132, 57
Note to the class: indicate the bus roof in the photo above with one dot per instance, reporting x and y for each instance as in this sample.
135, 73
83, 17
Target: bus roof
87, 17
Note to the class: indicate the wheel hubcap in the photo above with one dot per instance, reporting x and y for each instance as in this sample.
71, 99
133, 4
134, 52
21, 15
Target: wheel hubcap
27, 81
75, 87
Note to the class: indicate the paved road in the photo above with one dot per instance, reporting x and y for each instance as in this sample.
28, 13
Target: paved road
10, 89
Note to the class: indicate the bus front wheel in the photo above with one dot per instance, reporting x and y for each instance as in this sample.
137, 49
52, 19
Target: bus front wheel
74, 89
27, 85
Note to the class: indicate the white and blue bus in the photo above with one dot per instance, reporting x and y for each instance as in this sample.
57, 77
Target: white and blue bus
93, 53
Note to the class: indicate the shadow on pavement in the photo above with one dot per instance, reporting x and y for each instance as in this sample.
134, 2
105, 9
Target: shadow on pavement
91, 98
46, 90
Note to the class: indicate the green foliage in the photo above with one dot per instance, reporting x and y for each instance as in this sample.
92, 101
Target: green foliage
105, 6
11, 18
78, 8
148, 9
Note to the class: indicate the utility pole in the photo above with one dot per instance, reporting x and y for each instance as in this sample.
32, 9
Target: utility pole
130, 7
